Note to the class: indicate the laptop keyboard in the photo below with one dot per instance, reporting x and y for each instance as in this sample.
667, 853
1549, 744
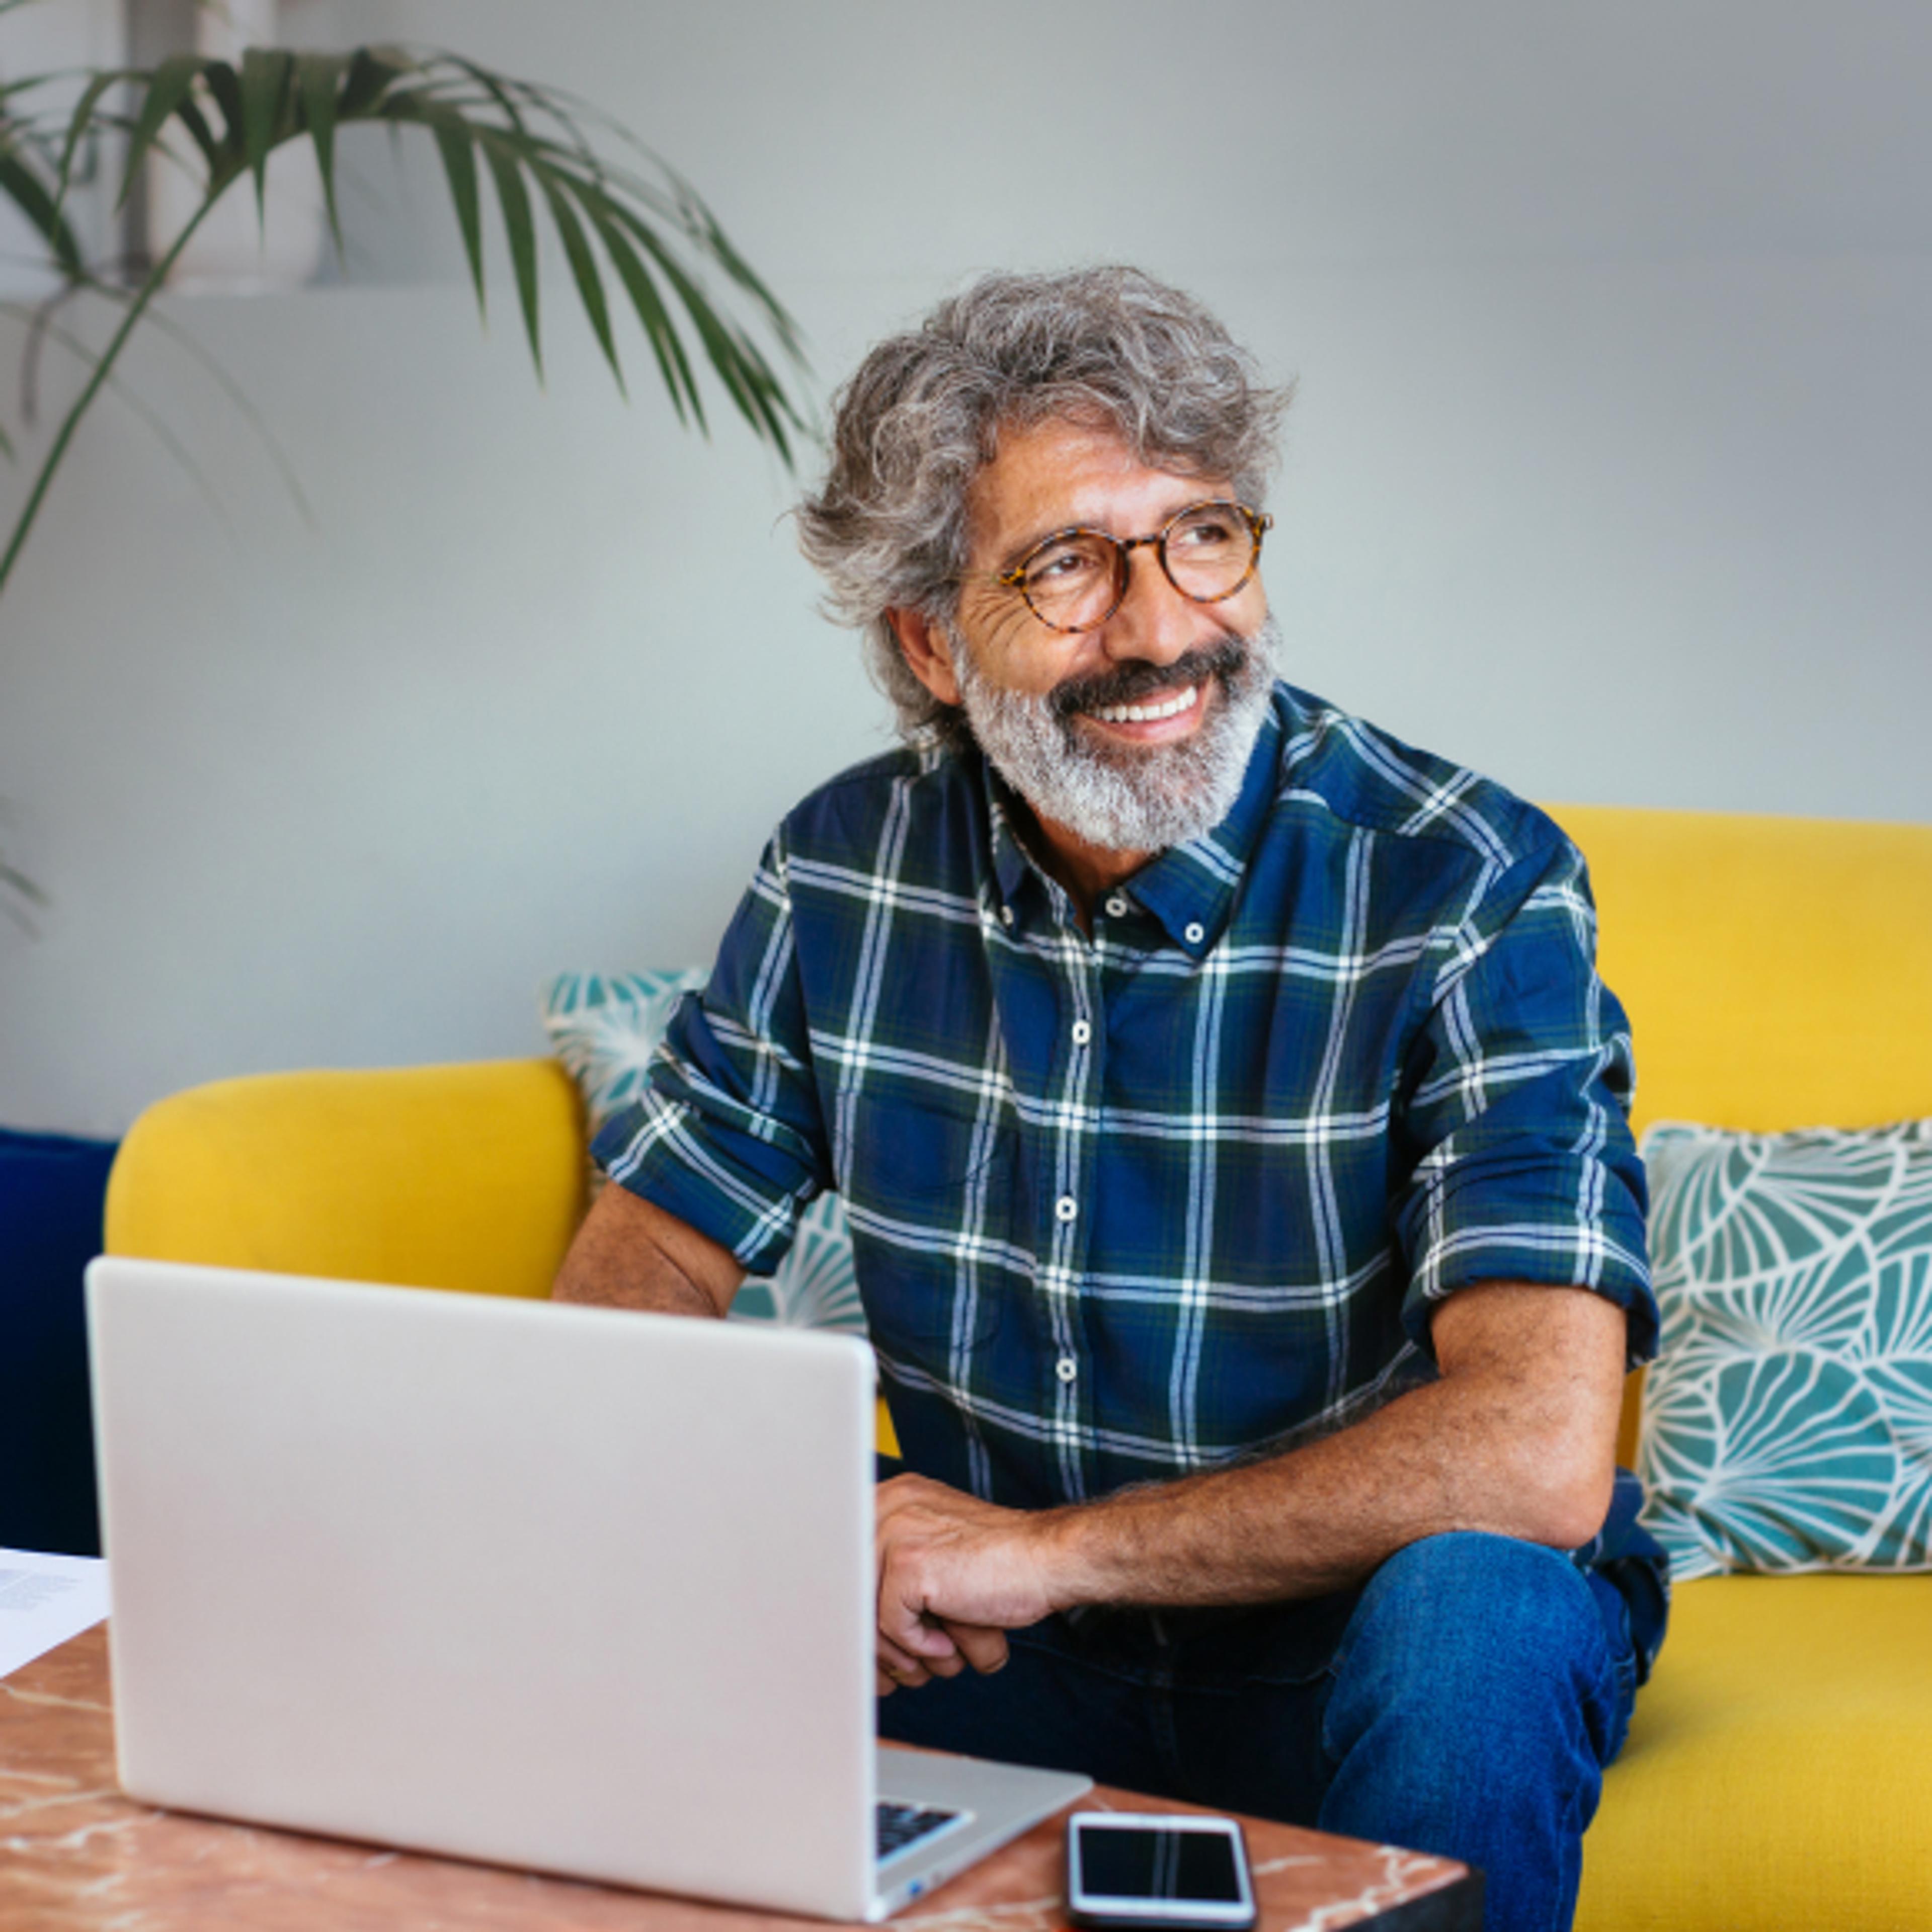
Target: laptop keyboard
902, 1826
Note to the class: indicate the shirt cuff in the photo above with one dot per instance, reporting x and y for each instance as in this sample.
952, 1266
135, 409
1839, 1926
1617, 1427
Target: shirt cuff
650, 1150
1561, 1221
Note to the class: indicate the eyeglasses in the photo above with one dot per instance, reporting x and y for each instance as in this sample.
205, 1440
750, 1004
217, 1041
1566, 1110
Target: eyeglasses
1076, 579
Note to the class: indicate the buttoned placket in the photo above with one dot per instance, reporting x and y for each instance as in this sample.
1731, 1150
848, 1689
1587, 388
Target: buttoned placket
1075, 1157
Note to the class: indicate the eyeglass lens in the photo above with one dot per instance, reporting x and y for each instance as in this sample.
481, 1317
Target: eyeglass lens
1077, 580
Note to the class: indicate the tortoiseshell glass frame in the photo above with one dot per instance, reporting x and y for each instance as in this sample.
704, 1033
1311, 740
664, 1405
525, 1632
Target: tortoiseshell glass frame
1259, 522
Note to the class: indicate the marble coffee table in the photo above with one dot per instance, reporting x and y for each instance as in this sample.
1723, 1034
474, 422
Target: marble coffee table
76, 1854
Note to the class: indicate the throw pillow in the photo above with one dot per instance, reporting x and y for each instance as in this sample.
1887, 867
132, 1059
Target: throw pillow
604, 1028
51, 1188
1787, 1422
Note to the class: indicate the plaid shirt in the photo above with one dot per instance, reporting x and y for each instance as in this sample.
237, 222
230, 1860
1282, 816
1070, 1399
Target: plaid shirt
1128, 1205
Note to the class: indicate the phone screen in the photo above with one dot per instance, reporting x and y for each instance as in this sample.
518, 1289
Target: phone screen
1152, 1863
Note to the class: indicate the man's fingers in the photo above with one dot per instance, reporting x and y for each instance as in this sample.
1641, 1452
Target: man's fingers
923, 1642
904, 1624
952, 1663
900, 1666
983, 1647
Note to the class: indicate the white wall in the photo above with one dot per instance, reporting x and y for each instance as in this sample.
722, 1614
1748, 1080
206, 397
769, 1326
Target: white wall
1609, 474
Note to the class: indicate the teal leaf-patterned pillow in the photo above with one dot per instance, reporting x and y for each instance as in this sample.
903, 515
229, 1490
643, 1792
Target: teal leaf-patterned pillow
605, 1027
1787, 1421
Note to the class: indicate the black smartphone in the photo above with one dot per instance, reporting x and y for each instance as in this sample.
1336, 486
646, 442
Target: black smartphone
1126, 1869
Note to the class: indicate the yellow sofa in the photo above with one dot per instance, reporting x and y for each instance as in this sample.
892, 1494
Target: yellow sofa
1778, 973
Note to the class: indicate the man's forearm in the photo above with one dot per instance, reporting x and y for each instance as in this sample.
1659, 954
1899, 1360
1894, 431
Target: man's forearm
1517, 1439
630, 1254
1516, 1447
1315, 1520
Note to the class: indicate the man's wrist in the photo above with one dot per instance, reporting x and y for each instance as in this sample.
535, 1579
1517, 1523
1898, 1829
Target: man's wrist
1069, 1546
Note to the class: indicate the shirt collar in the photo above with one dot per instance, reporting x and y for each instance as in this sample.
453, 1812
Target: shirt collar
1190, 889
1012, 863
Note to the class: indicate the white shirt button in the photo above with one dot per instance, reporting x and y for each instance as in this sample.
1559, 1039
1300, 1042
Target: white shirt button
1195, 933
1066, 1368
1117, 907
1082, 1033
1006, 915
1066, 1207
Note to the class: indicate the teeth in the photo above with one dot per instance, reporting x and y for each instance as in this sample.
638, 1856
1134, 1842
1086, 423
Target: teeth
1141, 714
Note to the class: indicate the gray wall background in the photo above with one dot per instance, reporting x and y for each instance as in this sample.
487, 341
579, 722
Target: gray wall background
1609, 474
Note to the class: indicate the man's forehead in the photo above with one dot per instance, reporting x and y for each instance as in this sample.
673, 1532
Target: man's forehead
1044, 476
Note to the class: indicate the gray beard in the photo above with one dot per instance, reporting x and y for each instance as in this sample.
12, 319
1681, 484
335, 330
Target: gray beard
1118, 798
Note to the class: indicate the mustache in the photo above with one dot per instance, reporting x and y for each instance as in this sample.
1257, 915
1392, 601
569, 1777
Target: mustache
1129, 683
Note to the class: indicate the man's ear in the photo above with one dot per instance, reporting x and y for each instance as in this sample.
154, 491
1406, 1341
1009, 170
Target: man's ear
927, 649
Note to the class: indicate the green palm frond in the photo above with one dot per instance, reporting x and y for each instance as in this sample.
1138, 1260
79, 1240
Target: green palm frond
539, 153
23, 181
617, 210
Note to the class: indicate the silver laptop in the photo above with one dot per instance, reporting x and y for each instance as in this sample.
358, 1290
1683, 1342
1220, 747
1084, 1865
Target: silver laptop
558, 1587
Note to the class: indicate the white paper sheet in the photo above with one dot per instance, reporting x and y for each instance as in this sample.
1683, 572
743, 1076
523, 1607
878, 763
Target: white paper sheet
45, 1600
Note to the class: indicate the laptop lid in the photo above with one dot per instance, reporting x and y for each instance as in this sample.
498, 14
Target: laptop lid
571, 1589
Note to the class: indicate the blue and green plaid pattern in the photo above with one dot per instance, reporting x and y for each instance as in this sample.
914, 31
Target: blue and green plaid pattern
1130, 1205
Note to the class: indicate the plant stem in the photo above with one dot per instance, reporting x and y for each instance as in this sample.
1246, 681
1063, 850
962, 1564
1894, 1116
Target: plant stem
136, 309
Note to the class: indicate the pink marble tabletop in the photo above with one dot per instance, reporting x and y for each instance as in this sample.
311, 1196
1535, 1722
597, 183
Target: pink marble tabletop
74, 1853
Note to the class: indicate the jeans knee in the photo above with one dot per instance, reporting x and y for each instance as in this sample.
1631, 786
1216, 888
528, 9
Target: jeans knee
1473, 1706
1481, 1632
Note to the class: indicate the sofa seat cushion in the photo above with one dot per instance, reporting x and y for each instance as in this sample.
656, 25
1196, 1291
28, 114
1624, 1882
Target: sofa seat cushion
1777, 1774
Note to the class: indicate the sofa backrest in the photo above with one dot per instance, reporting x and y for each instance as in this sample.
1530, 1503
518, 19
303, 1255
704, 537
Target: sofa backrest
1777, 972
470, 1176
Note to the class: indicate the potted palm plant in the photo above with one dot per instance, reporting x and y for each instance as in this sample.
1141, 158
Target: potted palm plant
634, 233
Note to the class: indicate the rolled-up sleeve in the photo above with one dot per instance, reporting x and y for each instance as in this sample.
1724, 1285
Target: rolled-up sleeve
1514, 1111
728, 1135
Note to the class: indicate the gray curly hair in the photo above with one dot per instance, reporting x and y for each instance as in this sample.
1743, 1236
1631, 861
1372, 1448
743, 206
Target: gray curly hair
921, 416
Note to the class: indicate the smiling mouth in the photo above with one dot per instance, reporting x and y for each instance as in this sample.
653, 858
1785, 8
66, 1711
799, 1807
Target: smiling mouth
1139, 697
1148, 714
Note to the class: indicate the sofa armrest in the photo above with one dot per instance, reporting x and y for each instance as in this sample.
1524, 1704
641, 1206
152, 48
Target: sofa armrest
470, 1176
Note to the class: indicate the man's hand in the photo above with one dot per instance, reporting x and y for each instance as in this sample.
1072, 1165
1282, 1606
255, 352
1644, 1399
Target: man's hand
955, 1575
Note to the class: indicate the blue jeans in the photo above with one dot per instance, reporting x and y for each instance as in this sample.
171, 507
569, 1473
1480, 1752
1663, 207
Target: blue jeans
1466, 1701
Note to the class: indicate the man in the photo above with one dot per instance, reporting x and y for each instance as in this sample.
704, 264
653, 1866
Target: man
1230, 1121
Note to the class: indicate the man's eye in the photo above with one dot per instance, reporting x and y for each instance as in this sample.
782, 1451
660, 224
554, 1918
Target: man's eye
1060, 567
1204, 532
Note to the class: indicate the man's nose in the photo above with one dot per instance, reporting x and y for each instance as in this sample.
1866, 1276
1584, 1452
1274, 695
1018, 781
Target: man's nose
1155, 621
